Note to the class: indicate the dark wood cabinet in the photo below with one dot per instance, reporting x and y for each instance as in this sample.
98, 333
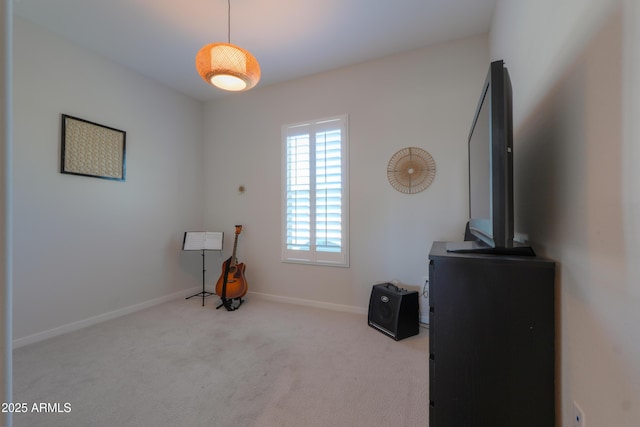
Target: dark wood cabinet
491, 340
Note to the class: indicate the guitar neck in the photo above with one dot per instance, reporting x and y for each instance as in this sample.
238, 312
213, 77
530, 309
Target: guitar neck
235, 246
233, 255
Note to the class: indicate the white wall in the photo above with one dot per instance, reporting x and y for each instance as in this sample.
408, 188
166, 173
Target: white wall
83, 246
575, 67
425, 98
5, 207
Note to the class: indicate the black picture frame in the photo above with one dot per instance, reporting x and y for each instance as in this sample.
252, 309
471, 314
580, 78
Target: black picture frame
91, 149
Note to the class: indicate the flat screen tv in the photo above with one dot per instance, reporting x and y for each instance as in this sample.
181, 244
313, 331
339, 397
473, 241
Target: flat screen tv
491, 220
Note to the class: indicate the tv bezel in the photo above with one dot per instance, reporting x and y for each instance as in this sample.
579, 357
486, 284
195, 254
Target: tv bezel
497, 231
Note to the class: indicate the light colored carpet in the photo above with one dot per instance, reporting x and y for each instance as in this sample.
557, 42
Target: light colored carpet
266, 364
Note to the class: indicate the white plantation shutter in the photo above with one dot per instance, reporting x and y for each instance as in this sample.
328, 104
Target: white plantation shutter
315, 192
298, 191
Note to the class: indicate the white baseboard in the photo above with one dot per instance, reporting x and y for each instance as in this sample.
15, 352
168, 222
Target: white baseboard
310, 303
41, 336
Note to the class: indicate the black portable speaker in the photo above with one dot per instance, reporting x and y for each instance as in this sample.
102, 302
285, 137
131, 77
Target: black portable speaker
394, 311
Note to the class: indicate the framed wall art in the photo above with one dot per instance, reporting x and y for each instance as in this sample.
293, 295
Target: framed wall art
93, 150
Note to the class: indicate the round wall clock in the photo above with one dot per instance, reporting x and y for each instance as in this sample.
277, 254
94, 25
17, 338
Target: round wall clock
411, 170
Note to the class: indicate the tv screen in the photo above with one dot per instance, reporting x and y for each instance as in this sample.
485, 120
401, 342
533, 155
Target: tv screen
491, 219
491, 162
480, 173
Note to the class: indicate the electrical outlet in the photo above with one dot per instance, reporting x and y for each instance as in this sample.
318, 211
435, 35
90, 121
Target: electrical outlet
578, 416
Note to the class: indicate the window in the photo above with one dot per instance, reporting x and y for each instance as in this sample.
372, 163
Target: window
315, 196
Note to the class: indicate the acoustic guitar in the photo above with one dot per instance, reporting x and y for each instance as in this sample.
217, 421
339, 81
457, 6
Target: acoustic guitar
232, 283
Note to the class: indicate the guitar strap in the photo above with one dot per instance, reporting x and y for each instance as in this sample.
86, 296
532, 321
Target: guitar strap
228, 303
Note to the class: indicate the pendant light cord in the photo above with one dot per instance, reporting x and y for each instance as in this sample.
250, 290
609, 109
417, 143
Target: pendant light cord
229, 21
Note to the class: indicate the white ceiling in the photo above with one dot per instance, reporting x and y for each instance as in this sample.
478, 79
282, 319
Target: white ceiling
290, 38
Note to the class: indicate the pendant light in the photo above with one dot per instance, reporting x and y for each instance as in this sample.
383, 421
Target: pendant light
227, 66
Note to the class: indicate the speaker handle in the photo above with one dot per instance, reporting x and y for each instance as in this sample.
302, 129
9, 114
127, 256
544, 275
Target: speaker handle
395, 288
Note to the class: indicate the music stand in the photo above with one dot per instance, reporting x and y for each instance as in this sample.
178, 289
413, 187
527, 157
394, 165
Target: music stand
202, 241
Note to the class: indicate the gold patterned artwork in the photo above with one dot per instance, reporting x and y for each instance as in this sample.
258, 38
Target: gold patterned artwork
91, 149
411, 170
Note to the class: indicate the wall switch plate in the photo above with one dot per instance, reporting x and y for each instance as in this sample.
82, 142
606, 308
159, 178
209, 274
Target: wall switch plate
578, 416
